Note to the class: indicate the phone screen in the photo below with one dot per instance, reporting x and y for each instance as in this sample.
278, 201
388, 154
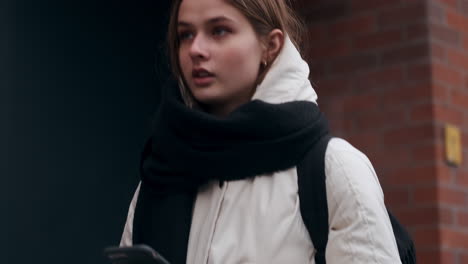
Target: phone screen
138, 254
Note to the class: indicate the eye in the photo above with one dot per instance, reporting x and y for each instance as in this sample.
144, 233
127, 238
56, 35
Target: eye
220, 31
185, 35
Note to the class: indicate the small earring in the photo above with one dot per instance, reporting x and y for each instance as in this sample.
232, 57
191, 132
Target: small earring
265, 63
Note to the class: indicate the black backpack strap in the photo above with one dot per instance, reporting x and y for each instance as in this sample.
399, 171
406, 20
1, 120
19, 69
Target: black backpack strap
314, 208
313, 196
405, 244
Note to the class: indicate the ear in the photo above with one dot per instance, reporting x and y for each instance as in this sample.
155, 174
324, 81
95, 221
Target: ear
273, 44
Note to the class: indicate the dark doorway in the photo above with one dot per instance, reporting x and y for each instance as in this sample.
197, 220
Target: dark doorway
78, 90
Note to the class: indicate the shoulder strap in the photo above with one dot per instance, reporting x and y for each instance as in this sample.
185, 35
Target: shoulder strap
313, 196
405, 244
314, 208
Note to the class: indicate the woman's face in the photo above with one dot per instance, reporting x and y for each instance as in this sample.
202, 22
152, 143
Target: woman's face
219, 55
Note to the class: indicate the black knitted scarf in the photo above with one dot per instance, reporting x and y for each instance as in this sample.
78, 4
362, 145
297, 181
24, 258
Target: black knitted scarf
190, 148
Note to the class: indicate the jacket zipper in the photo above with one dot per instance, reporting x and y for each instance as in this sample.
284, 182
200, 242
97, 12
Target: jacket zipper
223, 186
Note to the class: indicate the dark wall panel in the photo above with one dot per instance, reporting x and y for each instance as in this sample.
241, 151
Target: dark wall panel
78, 91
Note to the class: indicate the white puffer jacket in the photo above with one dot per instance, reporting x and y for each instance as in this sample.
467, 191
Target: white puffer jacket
259, 221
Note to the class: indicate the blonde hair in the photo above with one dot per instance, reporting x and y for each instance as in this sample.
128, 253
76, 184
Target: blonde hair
263, 15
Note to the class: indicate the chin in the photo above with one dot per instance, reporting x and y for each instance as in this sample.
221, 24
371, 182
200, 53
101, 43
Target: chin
209, 101
208, 97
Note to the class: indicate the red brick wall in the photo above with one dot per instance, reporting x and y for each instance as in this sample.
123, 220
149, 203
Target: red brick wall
390, 74
448, 26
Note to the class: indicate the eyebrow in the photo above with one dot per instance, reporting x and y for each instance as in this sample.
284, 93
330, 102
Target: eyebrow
210, 21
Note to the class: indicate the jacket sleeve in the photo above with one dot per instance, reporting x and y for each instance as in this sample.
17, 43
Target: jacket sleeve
360, 228
126, 240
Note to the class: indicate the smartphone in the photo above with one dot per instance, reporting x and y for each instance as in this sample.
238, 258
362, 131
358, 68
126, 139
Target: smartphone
137, 254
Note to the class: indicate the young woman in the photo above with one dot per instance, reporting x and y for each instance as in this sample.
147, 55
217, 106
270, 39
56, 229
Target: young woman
218, 176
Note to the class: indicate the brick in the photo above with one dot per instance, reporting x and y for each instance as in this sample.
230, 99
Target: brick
440, 93
410, 13
444, 34
403, 80
435, 13
380, 77
393, 157
317, 32
448, 256
354, 25
321, 10
448, 114
428, 255
396, 197
370, 122
464, 10
360, 103
463, 127
369, 150
333, 87
408, 93
337, 125
463, 258
446, 75
332, 107
378, 120
444, 175
422, 112
426, 237
425, 196
456, 20
365, 5
419, 72
453, 238
329, 49
418, 216
464, 136
439, 132
462, 218
452, 197
447, 216
405, 54
409, 135
462, 179
430, 152
457, 58
398, 215
377, 40
316, 69
353, 63
449, 3
342, 124
437, 51
411, 176
465, 43
417, 32
365, 140
459, 98
464, 140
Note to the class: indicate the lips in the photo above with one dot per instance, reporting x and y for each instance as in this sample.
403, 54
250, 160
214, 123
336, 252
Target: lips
202, 77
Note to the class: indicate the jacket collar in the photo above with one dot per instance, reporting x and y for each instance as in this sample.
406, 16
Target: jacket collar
287, 80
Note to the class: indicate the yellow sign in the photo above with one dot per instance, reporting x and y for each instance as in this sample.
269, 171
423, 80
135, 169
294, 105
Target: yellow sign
453, 145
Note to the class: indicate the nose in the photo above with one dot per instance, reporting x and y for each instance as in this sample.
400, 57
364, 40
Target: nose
199, 48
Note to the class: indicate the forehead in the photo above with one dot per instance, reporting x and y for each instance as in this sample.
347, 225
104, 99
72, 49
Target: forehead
193, 11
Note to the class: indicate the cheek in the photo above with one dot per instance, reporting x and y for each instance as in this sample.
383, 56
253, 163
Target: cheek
243, 62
